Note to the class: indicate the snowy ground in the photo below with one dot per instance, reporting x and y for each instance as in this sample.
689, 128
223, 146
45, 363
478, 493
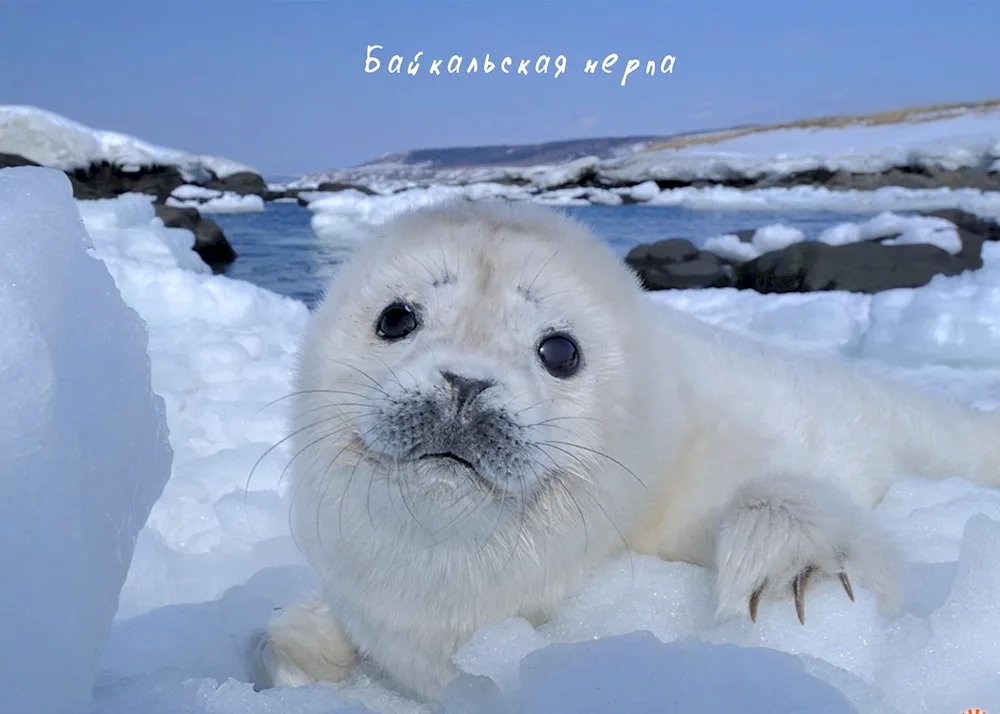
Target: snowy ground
215, 556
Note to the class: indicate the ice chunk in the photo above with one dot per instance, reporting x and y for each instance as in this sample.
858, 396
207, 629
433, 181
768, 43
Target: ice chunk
496, 650
83, 446
126, 228
961, 655
636, 673
949, 321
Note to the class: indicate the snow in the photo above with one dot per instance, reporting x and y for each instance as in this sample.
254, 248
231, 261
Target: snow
215, 555
350, 215
53, 140
645, 191
84, 444
966, 139
189, 192
549, 177
954, 323
892, 228
208, 201
812, 198
763, 240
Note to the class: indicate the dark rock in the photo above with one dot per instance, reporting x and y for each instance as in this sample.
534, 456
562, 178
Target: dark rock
178, 216
667, 184
210, 242
9, 160
702, 272
104, 180
292, 193
333, 187
326, 187
865, 267
671, 250
902, 176
988, 229
244, 183
675, 263
977, 177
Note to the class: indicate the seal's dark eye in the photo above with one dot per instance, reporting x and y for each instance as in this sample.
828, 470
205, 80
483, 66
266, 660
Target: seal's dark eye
396, 322
560, 355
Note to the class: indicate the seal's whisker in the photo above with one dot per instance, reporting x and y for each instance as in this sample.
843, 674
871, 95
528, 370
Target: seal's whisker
303, 392
360, 371
546, 422
360, 439
579, 509
597, 452
393, 373
333, 443
531, 286
541, 445
270, 449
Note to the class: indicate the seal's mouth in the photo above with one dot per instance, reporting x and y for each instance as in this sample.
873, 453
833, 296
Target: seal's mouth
451, 457
468, 469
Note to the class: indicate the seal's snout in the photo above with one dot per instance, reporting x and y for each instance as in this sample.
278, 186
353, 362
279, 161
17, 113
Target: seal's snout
463, 390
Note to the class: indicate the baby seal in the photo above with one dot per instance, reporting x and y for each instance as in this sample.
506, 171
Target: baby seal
489, 407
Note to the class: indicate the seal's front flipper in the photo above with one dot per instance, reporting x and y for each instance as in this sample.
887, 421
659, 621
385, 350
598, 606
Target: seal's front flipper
304, 644
779, 534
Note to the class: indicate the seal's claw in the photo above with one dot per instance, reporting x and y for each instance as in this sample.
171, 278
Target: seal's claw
799, 583
847, 585
755, 601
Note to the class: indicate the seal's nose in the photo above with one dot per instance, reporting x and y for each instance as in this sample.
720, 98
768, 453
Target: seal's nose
464, 389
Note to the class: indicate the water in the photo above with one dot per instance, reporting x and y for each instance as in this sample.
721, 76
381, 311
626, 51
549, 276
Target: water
279, 251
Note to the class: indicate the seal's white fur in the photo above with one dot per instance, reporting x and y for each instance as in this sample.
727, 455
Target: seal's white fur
675, 439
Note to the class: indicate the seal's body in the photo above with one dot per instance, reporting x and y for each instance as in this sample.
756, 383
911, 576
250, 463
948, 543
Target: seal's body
490, 407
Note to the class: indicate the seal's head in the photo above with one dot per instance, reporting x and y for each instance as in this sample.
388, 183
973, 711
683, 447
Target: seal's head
469, 366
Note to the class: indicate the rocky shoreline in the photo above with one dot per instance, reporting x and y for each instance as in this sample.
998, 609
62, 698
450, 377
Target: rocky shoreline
865, 266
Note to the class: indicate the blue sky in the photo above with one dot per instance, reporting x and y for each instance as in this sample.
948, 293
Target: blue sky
281, 85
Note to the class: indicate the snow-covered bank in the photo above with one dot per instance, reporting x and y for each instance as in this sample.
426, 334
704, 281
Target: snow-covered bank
83, 446
889, 198
216, 556
53, 140
955, 140
348, 215
957, 148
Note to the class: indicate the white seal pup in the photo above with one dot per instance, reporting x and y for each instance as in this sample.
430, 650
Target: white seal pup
490, 407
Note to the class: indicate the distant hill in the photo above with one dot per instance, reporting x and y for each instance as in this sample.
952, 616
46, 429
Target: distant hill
550, 152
